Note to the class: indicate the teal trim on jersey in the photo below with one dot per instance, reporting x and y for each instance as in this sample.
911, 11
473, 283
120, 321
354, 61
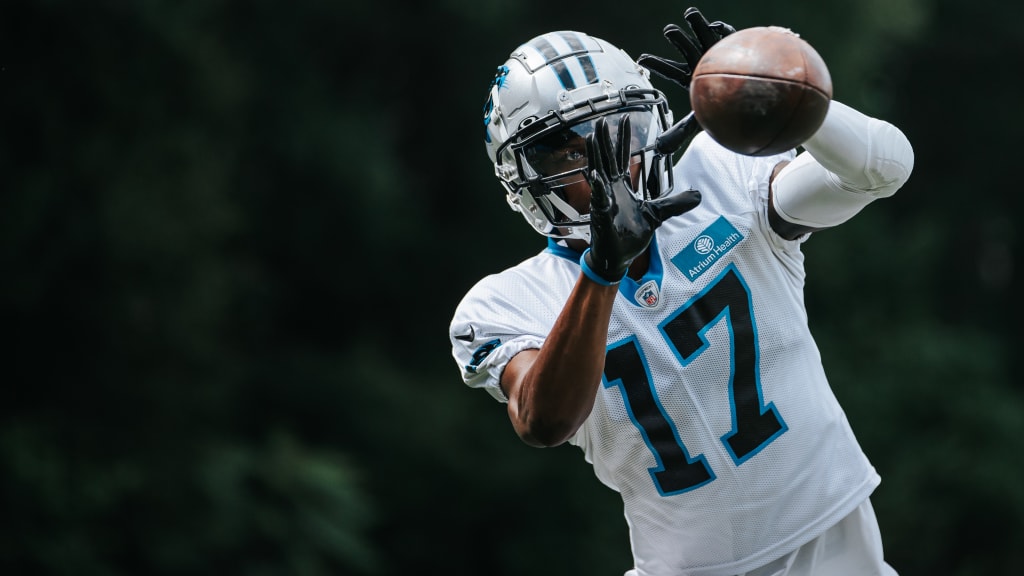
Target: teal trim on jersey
709, 246
629, 288
562, 251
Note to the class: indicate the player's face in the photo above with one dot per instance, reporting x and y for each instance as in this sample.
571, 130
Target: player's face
567, 155
562, 158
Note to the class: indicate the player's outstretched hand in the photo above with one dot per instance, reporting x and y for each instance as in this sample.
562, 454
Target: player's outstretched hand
622, 225
692, 45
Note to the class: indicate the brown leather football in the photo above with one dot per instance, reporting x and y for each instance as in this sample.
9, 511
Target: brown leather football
761, 91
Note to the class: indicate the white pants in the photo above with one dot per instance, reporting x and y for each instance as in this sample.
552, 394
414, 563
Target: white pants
853, 547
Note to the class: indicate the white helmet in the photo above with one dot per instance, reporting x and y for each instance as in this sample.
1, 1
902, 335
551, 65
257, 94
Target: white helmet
546, 97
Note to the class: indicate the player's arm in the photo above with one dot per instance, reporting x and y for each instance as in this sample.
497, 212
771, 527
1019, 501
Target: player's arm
551, 391
850, 161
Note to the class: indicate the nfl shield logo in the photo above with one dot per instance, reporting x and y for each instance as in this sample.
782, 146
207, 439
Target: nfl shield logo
647, 295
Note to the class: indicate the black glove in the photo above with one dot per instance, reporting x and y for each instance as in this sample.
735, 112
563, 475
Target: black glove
621, 225
692, 45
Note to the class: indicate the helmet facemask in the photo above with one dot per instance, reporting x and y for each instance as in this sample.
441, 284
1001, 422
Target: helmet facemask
549, 154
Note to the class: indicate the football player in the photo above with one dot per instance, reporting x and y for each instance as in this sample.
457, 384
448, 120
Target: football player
662, 330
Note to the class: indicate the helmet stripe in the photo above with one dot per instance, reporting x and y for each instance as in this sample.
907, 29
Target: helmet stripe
549, 53
585, 61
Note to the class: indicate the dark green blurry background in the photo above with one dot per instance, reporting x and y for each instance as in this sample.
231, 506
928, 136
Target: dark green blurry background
232, 234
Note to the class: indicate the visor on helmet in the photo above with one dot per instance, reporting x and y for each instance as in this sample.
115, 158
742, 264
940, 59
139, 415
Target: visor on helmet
552, 159
561, 157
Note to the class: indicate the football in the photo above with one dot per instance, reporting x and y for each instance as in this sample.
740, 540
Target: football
761, 91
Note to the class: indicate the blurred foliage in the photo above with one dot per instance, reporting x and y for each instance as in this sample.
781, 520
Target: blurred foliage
232, 235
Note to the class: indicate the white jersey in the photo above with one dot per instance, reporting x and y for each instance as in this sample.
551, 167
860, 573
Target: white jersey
714, 419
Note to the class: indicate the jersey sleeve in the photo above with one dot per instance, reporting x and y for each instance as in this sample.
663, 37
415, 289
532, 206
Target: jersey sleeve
499, 317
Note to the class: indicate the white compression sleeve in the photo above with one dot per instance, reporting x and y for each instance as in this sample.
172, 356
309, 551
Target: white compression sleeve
849, 162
